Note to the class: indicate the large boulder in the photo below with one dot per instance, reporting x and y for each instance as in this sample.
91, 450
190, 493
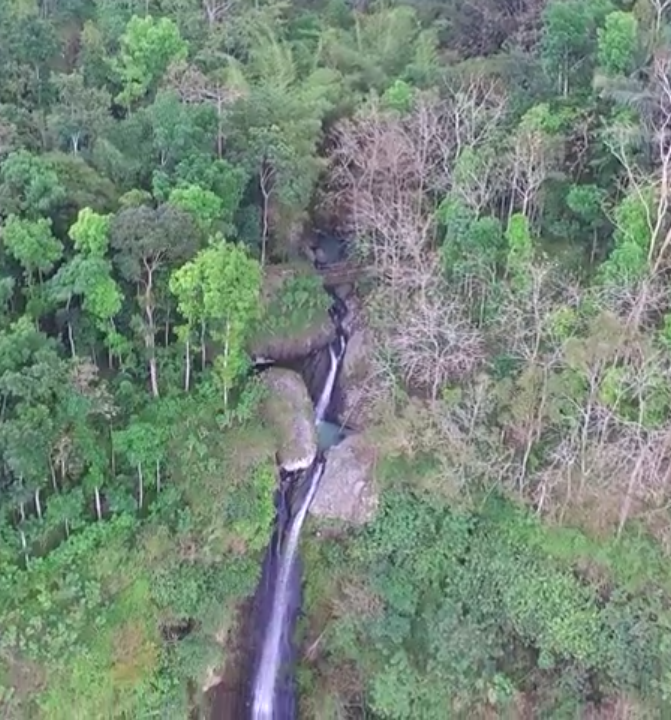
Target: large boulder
295, 319
347, 491
288, 412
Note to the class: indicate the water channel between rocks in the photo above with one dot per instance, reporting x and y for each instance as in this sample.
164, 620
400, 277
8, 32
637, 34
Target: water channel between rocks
270, 619
271, 688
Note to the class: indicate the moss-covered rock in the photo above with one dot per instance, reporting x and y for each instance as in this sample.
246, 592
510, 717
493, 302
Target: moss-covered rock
295, 320
288, 412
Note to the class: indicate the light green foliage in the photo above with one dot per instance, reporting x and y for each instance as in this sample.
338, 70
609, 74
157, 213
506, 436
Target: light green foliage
520, 251
148, 46
88, 273
185, 284
202, 204
32, 244
90, 234
221, 288
628, 261
618, 43
398, 96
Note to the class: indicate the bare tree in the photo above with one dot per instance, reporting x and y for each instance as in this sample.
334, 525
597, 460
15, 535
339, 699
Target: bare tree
434, 343
632, 145
661, 9
216, 10
388, 171
535, 154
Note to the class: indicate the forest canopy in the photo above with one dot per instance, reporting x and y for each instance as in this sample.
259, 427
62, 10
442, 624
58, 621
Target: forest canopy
502, 170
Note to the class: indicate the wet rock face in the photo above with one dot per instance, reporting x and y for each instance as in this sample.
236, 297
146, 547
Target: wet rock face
288, 411
347, 491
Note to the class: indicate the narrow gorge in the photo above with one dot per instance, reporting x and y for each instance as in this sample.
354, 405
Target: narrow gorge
272, 691
302, 459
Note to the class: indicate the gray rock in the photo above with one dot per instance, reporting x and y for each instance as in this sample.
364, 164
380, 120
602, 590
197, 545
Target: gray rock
288, 411
347, 491
345, 291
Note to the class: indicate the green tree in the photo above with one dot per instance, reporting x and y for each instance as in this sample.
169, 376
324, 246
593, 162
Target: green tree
28, 185
203, 205
520, 251
587, 202
148, 46
628, 262
569, 40
143, 446
221, 288
88, 275
81, 113
146, 242
276, 127
618, 43
33, 245
178, 130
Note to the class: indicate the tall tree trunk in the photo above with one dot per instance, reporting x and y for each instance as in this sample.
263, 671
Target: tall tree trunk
99, 509
71, 340
158, 477
153, 375
140, 488
220, 125
150, 333
166, 331
265, 183
203, 353
227, 355
38, 505
24, 545
187, 366
52, 470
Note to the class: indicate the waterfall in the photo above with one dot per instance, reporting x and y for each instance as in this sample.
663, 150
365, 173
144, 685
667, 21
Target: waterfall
327, 392
276, 643
266, 680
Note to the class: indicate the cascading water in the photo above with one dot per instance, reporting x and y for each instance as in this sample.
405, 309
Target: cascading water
271, 695
265, 706
322, 405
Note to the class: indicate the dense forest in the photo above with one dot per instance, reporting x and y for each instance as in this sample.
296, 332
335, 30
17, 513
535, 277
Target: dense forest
501, 172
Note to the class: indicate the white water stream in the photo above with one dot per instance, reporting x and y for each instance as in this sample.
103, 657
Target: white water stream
269, 667
264, 694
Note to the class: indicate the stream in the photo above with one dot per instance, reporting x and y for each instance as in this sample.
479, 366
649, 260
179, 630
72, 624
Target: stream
272, 692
